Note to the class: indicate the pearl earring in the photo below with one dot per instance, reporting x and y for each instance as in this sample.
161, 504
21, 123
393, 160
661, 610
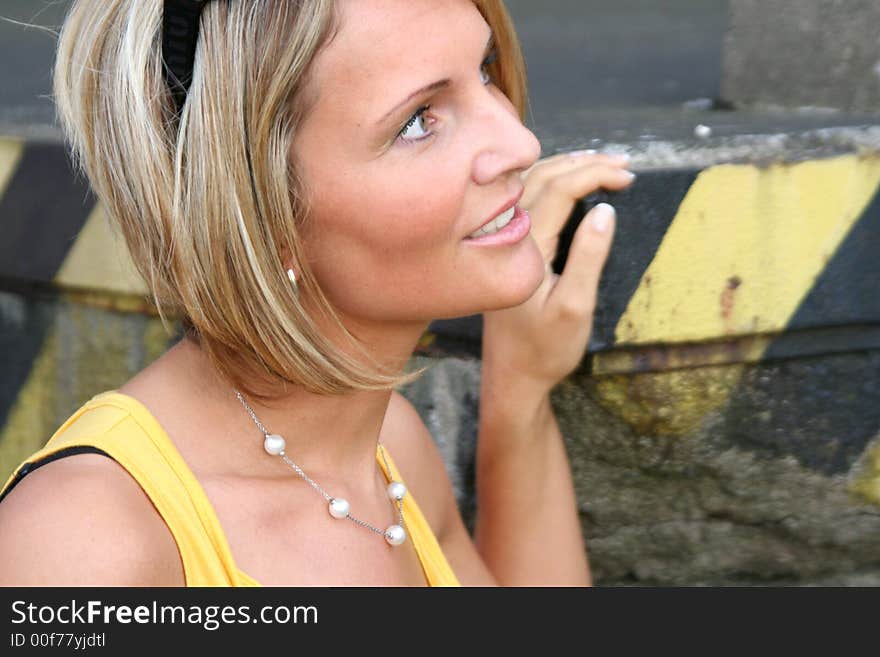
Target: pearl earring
292, 276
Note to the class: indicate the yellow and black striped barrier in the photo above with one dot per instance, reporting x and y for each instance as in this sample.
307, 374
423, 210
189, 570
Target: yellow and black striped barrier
735, 252
713, 270
53, 230
716, 271
54, 353
715, 265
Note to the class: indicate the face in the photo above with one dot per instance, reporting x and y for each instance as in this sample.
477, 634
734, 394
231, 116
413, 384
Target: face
398, 181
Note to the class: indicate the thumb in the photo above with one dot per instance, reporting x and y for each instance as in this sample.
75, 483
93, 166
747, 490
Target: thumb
579, 281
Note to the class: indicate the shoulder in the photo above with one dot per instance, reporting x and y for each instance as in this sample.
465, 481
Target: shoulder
419, 460
83, 520
421, 465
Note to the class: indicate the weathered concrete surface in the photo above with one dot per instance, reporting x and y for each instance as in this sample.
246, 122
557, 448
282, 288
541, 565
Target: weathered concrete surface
765, 489
665, 138
790, 53
716, 505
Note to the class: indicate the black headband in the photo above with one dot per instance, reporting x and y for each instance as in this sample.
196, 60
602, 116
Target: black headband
180, 34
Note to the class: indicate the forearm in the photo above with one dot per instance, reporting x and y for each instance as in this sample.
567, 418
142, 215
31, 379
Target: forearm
527, 528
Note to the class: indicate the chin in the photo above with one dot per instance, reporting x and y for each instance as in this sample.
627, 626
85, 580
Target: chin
523, 293
519, 288
536, 270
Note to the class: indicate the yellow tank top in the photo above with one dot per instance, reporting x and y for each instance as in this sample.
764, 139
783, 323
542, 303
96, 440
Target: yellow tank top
123, 428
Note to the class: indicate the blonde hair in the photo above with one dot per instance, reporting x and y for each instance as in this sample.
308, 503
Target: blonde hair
208, 205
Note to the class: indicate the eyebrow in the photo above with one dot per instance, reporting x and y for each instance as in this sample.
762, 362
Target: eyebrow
434, 86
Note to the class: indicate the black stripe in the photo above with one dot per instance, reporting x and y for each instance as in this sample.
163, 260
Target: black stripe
822, 410
847, 292
30, 314
645, 212
30, 466
43, 210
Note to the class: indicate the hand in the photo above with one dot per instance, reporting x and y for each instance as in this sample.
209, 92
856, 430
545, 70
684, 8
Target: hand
543, 340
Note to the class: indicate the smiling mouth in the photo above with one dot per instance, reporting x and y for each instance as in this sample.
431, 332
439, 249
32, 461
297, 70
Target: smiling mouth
495, 224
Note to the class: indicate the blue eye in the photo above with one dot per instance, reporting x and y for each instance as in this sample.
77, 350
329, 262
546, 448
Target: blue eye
490, 59
415, 131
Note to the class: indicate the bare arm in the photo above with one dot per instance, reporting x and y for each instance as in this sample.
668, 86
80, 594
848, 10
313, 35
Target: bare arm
528, 530
83, 521
528, 527
512, 546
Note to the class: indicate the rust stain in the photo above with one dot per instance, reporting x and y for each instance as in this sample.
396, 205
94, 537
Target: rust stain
664, 357
728, 300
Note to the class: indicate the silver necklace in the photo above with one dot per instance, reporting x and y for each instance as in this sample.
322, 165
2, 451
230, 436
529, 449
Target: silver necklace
337, 506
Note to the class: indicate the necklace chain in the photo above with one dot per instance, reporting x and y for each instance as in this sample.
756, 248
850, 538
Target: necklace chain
314, 484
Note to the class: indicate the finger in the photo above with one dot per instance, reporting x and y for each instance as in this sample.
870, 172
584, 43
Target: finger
552, 166
575, 292
582, 155
535, 176
552, 208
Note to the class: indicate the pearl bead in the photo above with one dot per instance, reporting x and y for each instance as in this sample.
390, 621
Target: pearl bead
396, 490
339, 507
274, 444
395, 535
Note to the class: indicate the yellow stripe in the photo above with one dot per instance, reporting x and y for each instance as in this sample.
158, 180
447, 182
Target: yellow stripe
10, 154
745, 248
866, 483
26, 425
42, 404
99, 259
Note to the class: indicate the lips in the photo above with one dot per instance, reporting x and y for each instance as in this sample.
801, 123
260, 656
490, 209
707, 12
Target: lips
496, 224
504, 207
514, 232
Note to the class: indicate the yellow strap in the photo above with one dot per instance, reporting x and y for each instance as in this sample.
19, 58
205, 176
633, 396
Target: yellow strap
437, 569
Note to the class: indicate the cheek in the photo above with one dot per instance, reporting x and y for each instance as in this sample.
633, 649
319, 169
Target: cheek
388, 227
397, 213
417, 217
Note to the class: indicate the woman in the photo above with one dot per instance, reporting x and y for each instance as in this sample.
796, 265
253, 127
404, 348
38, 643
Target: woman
308, 215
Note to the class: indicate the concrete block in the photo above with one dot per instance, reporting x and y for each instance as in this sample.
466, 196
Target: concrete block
796, 53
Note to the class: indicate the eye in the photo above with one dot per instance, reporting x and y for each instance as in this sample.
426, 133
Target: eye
414, 130
485, 76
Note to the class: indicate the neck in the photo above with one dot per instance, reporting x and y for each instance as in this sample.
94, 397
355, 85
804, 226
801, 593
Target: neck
333, 438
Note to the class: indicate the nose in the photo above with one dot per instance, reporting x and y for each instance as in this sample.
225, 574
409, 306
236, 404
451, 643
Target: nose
504, 143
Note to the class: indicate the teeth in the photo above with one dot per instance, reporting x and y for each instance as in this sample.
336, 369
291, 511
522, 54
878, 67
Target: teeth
496, 224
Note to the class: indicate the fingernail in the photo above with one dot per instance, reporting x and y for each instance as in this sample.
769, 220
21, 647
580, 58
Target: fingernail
630, 175
589, 151
601, 216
